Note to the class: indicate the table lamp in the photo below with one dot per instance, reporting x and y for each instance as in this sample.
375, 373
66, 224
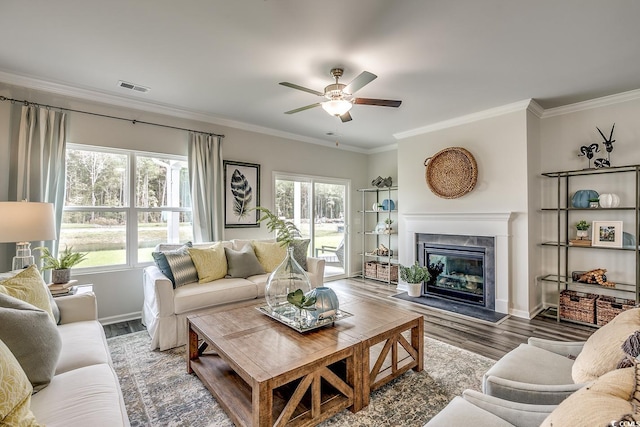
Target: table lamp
25, 222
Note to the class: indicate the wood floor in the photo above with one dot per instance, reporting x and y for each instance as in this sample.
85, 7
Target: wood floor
490, 340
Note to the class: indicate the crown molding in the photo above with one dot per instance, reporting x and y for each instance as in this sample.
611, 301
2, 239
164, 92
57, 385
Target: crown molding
157, 108
604, 101
469, 118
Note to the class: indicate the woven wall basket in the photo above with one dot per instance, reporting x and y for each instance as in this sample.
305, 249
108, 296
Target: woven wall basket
451, 173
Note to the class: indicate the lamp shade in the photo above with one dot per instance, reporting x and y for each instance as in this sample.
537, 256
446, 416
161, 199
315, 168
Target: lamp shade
337, 107
27, 222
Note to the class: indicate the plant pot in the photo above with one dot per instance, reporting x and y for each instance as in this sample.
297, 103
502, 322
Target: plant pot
415, 289
582, 234
61, 276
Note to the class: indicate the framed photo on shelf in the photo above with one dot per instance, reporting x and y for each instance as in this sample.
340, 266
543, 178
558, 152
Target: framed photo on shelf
606, 234
241, 194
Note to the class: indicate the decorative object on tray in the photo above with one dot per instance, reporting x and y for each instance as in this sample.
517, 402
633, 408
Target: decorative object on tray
580, 198
303, 305
606, 234
451, 173
326, 302
381, 182
415, 276
60, 266
290, 320
596, 276
289, 275
582, 229
608, 145
388, 205
609, 200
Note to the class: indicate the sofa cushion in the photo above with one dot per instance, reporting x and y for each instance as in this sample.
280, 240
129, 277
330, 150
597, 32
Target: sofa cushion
260, 281
32, 337
270, 254
300, 251
15, 392
83, 344
211, 263
602, 351
195, 296
604, 403
242, 263
88, 396
177, 265
29, 286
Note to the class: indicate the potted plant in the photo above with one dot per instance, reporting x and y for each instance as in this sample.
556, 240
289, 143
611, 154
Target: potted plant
388, 229
61, 266
414, 276
582, 228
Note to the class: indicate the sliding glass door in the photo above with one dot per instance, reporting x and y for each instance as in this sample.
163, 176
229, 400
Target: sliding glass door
318, 207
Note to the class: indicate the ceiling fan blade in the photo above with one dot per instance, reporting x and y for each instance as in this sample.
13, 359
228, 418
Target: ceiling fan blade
306, 107
346, 117
304, 89
359, 82
378, 102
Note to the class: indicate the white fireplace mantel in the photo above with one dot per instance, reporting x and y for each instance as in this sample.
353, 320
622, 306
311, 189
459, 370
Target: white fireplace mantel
491, 224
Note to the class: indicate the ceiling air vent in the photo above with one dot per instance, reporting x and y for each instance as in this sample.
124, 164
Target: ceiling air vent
132, 86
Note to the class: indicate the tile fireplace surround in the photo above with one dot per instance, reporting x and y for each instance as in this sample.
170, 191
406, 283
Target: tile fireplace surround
469, 224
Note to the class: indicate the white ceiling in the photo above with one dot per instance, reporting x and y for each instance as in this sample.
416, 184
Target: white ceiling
223, 59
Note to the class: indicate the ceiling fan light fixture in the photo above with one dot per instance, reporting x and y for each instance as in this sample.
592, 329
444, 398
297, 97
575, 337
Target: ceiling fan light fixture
336, 107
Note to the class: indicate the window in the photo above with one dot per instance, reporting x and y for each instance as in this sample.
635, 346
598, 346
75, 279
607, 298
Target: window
119, 204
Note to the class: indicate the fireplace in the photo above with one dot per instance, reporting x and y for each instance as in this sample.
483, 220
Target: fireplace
462, 267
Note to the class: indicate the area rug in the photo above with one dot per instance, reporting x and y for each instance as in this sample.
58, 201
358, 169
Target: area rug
158, 391
479, 313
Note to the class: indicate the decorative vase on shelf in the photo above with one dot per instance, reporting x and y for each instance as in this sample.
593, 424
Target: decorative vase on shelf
582, 234
609, 200
286, 278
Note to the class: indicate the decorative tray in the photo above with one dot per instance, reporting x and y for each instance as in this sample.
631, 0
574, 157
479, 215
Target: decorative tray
451, 173
289, 318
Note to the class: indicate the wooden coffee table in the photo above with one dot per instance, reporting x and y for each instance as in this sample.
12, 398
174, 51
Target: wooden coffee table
264, 373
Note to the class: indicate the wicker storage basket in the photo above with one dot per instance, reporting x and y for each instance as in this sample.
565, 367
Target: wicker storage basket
387, 272
371, 269
609, 307
578, 306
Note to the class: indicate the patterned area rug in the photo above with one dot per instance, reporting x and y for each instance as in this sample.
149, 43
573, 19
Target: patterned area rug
159, 392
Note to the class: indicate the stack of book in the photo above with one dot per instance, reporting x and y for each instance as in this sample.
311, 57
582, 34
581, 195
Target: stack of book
60, 289
579, 242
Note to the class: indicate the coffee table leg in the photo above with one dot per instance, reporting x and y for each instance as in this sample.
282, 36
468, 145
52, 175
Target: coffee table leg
193, 348
417, 342
262, 404
357, 369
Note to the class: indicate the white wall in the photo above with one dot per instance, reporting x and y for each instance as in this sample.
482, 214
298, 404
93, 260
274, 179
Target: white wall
500, 147
120, 293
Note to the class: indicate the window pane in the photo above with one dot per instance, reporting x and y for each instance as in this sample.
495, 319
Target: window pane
95, 179
161, 227
102, 235
293, 201
161, 182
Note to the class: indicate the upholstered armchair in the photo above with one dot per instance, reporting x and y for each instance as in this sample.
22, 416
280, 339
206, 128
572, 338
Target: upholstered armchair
539, 373
479, 410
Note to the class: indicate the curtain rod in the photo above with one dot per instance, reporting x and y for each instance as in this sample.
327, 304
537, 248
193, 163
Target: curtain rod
27, 103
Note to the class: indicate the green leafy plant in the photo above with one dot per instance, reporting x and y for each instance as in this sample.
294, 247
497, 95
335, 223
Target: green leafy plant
414, 274
65, 260
286, 231
298, 299
388, 221
582, 225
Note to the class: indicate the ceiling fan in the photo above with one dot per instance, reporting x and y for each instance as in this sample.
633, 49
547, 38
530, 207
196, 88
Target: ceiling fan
340, 96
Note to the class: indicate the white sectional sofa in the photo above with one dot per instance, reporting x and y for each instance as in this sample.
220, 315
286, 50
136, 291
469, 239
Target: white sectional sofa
85, 390
165, 309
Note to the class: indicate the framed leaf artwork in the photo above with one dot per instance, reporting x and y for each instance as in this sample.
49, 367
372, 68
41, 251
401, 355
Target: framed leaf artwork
241, 194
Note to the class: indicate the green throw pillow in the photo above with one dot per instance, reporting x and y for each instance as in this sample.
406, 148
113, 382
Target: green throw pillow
32, 338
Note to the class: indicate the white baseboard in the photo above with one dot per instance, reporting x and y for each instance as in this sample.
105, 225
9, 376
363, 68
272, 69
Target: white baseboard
120, 318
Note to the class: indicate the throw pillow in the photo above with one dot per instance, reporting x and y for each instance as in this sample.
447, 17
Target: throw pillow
15, 390
300, 250
54, 306
609, 399
29, 286
177, 265
270, 254
32, 337
602, 351
211, 263
242, 263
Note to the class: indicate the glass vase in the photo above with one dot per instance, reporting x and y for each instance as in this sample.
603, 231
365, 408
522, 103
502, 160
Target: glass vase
286, 278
